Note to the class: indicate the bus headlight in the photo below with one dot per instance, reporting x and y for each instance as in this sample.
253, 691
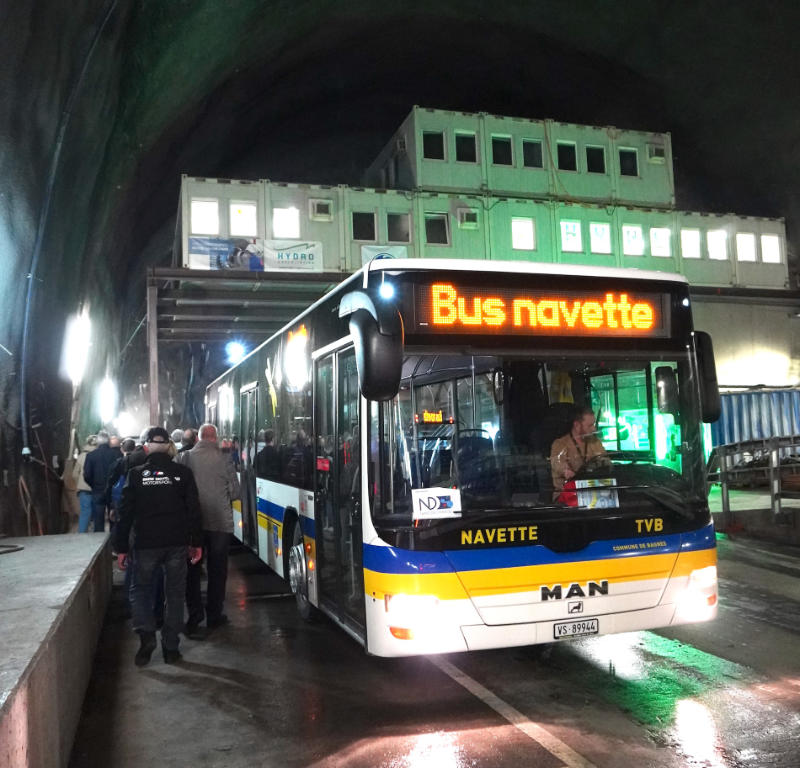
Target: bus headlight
699, 600
410, 616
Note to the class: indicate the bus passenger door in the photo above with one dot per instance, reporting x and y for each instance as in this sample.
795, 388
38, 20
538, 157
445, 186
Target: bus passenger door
337, 489
247, 432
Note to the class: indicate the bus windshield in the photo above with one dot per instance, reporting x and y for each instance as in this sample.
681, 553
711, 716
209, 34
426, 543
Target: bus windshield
485, 426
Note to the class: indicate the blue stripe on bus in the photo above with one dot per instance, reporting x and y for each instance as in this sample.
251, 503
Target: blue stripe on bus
278, 513
390, 560
270, 509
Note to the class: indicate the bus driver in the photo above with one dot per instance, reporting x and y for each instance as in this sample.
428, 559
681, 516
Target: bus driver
572, 451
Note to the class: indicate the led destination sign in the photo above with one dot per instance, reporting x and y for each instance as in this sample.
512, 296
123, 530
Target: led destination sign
446, 308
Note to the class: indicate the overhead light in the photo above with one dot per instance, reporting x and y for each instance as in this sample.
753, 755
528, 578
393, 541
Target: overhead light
235, 351
75, 350
107, 400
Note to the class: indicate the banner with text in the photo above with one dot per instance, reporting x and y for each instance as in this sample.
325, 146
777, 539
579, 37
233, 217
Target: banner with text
290, 255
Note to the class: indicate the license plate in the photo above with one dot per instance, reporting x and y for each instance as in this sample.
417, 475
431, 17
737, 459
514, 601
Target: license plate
575, 628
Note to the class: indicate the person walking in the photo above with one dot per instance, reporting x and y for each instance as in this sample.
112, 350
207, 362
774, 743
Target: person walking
115, 482
218, 486
161, 506
83, 488
96, 470
189, 439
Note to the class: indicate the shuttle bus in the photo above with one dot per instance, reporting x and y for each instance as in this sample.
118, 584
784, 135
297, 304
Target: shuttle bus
395, 443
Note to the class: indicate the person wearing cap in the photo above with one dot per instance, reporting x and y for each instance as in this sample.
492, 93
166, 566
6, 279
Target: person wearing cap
160, 504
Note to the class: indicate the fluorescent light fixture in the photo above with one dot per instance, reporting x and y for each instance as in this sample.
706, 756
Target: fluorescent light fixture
125, 424
75, 350
107, 400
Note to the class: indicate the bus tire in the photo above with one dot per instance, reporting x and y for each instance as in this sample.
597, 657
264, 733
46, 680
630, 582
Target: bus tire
298, 575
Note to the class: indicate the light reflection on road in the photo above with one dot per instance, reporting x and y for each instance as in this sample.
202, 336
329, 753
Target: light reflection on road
696, 735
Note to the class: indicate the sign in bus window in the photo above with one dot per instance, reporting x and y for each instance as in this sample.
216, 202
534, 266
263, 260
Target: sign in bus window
448, 308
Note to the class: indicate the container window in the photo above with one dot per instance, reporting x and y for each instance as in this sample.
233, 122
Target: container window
571, 241
632, 240
244, 220
523, 234
628, 162
466, 151
770, 249
205, 217
286, 222
436, 229
567, 155
717, 241
745, 246
600, 237
398, 227
661, 242
690, 243
363, 226
501, 150
532, 153
595, 160
433, 145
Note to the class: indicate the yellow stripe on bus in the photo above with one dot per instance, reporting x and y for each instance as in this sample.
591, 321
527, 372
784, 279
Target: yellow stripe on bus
497, 581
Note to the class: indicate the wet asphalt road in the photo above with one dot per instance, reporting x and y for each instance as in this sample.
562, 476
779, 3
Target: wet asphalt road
270, 690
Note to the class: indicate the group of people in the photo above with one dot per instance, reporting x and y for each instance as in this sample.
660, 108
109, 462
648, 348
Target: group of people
173, 515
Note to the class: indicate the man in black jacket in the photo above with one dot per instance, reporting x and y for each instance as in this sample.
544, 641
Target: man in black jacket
95, 472
160, 503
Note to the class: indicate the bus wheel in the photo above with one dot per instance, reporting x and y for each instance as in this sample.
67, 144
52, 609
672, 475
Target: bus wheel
298, 575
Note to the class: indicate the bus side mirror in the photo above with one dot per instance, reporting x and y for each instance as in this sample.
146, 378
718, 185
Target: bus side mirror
710, 405
377, 330
666, 390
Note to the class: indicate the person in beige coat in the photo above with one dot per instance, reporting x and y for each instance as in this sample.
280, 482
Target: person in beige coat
218, 486
84, 489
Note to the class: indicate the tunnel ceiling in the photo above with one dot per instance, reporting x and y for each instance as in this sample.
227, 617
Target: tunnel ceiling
144, 90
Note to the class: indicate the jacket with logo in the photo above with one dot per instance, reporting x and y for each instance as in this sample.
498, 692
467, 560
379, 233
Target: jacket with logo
160, 503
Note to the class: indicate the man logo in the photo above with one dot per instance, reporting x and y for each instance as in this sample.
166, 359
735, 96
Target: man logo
575, 607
